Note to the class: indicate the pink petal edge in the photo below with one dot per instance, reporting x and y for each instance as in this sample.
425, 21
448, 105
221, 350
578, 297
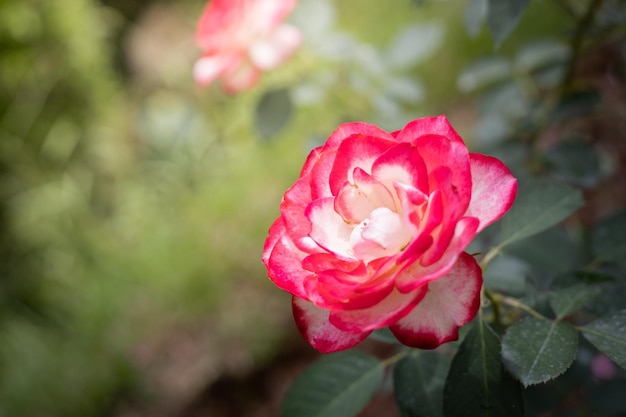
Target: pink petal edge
451, 302
493, 189
313, 324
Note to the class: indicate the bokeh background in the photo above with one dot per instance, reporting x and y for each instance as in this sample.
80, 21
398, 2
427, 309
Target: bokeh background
134, 205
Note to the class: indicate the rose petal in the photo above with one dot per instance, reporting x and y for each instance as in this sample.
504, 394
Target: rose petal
438, 125
284, 266
425, 224
321, 262
208, 68
241, 78
379, 315
493, 189
328, 228
318, 180
339, 293
451, 302
217, 15
356, 201
268, 53
416, 274
310, 162
438, 151
383, 234
448, 200
401, 164
276, 232
359, 150
313, 323
269, 13
292, 209
346, 130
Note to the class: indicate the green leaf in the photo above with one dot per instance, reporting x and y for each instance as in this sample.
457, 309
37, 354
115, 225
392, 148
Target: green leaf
418, 383
338, 385
503, 16
536, 350
540, 204
475, 13
609, 239
608, 334
568, 300
272, 112
477, 384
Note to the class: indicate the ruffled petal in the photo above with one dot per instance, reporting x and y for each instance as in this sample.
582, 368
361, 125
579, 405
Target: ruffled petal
416, 274
277, 230
438, 125
284, 266
318, 180
439, 151
356, 201
379, 315
292, 209
337, 291
310, 161
493, 189
346, 130
328, 228
451, 211
315, 327
359, 150
401, 164
451, 302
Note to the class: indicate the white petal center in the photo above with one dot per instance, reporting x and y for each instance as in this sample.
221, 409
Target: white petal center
382, 234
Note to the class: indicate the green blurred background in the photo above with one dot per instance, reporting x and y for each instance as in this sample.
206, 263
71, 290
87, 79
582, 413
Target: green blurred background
134, 205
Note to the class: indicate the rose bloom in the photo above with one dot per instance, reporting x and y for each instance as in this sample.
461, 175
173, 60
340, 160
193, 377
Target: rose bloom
373, 233
242, 38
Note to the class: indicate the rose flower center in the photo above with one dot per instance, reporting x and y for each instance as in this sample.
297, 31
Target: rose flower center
382, 234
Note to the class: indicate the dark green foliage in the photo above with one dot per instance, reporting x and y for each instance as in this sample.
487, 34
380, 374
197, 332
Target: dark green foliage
418, 382
536, 351
338, 385
477, 384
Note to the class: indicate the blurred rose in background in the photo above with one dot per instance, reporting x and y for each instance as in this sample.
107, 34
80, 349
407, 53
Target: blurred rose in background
242, 38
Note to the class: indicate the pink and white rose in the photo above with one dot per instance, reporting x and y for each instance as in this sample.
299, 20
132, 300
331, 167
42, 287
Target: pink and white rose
373, 233
243, 38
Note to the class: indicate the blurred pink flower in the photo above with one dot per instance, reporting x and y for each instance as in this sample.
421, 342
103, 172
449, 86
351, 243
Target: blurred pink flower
603, 368
242, 38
